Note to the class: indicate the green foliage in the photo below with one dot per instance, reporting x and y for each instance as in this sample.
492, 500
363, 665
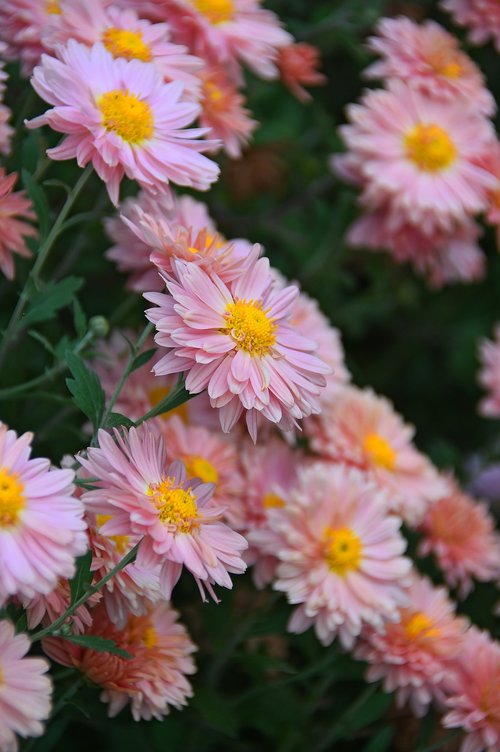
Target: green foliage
88, 394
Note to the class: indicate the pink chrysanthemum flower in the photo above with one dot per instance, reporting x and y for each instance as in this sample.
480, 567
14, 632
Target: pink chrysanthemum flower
125, 35
45, 609
41, 523
460, 532
481, 17
414, 655
340, 554
6, 131
229, 32
419, 155
153, 679
15, 208
25, 691
236, 341
223, 111
474, 699
22, 23
363, 430
429, 59
489, 375
298, 64
121, 116
175, 518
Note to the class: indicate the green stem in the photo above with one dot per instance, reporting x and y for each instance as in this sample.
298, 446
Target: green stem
343, 722
53, 628
43, 253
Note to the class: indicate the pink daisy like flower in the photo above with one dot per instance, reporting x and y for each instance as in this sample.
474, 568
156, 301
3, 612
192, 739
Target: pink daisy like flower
460, 532
429, 59
6, 131
298, 65
363, 430
229, 32
45, 609
340, 554
42, 529
474, 699
235, 341
415, 655
481, 17
15, 208
489, 375
420, 156
175, 518
21, 26
153, 679
121, 116
25, 691
125, 36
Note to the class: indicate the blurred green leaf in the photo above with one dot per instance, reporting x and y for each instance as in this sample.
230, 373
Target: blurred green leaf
99, 644
45, 303
37, 195
88, 394
82, 578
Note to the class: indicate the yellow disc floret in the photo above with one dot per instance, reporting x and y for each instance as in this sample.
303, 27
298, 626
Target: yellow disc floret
121, 541
12, 500
343, 550
127, 44
250, 327
126, 115
216, 11
379, 451
199, 467
272, 501
419, 625
430, 147
52, 7
175, 506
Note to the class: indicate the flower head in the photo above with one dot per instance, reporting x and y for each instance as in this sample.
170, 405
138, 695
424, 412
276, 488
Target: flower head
15, 208
24, 689
41, 523
480, 17
489, 375
45, 609
121, 116
22, 23
298, 64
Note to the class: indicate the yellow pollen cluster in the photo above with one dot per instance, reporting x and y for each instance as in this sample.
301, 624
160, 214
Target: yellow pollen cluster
126, 115
157, 394
216, 11
52, 7
149, 639
379, 451
344, 550
121, 541
175, 505
419, 625
445, 62
213, 95
430, 147
127, 44
252, 331
272, 501
12, 500
199, 467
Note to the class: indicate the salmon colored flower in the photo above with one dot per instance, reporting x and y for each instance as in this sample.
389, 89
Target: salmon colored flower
298, 66
122, 117
489, 375
15, 209
45, 609
480, 17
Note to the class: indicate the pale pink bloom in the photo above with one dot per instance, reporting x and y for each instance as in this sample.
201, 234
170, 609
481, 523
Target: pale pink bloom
15, 208
460, 532
21, 26
419, 157
3, 73
41, 523
153, 679
429, 59
489, 374
229, 33
121, 116
298, 64
362, 429
481, 17
6, 130
124, 35
492, 163
340, 554
25, 691
474, 699
236, 341
223, 111
45, 609
175, 518
415, 655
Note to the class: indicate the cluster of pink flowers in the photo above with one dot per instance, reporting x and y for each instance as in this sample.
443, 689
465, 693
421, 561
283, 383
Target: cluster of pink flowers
421, 152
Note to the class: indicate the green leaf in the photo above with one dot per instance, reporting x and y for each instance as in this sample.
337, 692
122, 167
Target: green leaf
142, 358
82, 578
371, 710
46, 302
99, 644
381, 742
79, 319
39, 200
216, 711
117, 419
42, 340
88, 394
176, 397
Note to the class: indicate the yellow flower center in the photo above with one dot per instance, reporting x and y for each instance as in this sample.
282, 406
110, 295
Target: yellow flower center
272, 501
379, 451
126, 115
199, 467
216, 11
249, 326
52, 7
127, 44
158, 393
175, 505
213, 95
430, 147
419, 625
445, 61
121, 541
150, 638
344, 550
12, 500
